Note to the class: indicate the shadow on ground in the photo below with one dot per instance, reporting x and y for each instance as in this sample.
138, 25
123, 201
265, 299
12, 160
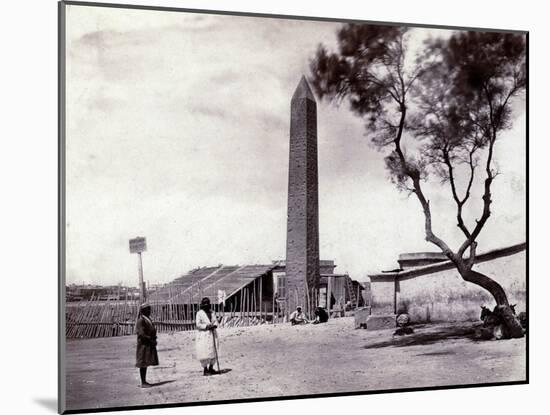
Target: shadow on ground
424, 338
164, 382
48, 403
222, 371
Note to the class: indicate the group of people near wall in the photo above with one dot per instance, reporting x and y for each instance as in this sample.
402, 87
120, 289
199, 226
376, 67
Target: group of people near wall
206, 341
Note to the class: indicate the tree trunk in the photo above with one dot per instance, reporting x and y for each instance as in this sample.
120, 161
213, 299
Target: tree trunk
487, 283
503, 310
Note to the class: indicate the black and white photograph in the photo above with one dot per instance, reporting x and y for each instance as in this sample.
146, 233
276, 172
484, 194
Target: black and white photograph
266, 207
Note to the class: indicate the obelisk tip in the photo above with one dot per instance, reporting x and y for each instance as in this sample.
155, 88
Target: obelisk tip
303, 91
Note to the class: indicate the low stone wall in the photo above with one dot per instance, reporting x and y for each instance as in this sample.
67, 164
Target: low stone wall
438, 294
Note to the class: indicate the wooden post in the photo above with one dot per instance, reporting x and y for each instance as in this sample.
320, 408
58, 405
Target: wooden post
102, 318
170, 298
308, 302
124, 313
199, 288
183, 313
314, 302
242, 303
141, 284
254, 297
261, 298
316, 297
246, 303
247, 307
191, 304
329, 293
84, 314
99, 320
192, 308
88, 317
116, 313
273, 304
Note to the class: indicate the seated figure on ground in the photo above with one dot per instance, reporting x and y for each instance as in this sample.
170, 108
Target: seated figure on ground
297, 317
321, 316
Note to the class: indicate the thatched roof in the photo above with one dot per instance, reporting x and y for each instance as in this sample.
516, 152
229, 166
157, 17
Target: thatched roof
205, 282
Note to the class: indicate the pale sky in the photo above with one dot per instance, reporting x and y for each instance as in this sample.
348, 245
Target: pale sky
178, 130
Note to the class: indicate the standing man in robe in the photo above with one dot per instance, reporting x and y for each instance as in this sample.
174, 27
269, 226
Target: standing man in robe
207, 342
146, 352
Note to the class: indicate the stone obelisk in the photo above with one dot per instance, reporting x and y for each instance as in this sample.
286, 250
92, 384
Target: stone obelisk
302, 243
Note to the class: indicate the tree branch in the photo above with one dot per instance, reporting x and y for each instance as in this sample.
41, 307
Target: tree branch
486, 197
472, 173
458, 201
472, 259
414, 175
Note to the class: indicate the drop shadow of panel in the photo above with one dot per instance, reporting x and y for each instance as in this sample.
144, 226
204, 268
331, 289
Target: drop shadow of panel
416, 339
224, 371
48, 403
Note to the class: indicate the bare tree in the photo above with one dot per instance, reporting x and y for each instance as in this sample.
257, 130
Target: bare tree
459, 92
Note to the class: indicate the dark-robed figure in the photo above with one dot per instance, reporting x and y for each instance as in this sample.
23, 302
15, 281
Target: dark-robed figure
146, 352
321, 315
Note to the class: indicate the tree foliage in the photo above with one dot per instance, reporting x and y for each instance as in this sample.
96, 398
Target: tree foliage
450, 102
463, 103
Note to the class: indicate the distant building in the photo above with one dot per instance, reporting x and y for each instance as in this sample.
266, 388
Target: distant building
429, 288
82, 292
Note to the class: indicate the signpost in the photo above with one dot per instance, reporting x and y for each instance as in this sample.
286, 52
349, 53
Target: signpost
137, 246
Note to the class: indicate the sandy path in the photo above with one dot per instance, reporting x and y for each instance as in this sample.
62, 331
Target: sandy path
284, 360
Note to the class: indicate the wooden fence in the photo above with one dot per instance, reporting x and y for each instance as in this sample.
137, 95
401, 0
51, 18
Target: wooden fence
108, 318
111, 317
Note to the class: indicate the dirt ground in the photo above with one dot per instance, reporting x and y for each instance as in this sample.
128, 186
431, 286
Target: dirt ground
284, 360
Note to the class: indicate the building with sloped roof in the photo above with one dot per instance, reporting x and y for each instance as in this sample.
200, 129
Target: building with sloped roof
239, 287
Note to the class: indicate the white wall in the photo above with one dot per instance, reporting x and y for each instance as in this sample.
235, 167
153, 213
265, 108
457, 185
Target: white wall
445, 296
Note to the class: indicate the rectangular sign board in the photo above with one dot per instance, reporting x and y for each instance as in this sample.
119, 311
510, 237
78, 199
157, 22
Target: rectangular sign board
138, 245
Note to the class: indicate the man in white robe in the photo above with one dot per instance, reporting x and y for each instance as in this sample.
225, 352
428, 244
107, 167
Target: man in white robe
206, 341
